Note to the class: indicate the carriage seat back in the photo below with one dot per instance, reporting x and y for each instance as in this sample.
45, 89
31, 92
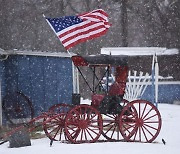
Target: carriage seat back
97, 99
118, 87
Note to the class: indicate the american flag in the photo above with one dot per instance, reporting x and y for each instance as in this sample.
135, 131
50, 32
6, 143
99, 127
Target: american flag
72, 30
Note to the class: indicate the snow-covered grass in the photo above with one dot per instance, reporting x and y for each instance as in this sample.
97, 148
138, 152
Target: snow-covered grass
170, 132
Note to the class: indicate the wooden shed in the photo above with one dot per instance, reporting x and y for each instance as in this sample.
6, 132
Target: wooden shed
46, 78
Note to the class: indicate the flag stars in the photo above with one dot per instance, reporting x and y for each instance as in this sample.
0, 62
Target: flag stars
61, 23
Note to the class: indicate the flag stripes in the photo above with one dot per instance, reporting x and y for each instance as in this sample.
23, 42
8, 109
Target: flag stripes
85, 27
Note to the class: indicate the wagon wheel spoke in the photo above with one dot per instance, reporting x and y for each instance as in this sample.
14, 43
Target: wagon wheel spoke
113, 131
130, 130
132, 133
144, 134
147, 130
85, 134
135, 134
91, 117
150, 117
147, 113
97, 127
73, 128
88, 123
53, 127
151, 122
150, 127
61, 133
17, 108
109, 124
111, 127
58, 128
143, 111
147, 122
82, 130
111, 116
133, 111
140, 134
92, 131
89, 134
75, 134
127, 126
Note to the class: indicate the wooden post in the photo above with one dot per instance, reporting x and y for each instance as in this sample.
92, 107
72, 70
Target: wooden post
75, 79
156, 80
153, 79
155, 76
0, 106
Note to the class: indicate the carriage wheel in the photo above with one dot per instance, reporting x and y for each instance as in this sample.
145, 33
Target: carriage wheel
83, 124
60, 108
53, 126
17, 108
111, 125
54, 129
140, 121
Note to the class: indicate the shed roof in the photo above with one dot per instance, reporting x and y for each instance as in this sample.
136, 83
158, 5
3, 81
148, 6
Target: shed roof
138, 51
35, 53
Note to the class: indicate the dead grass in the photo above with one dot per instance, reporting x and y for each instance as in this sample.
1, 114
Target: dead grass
37, 133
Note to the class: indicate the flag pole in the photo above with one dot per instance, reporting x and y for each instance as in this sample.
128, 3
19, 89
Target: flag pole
49, 24
69, 53
55, 33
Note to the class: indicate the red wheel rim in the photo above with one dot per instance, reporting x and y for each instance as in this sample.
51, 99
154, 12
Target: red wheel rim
83, 124
17, 108
140, 121
60, 108
54, 127
111, 125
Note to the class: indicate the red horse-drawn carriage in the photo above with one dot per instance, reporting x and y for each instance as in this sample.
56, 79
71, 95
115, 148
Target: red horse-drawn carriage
109, 115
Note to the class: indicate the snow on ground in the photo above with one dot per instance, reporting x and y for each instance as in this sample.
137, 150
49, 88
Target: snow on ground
170, 132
